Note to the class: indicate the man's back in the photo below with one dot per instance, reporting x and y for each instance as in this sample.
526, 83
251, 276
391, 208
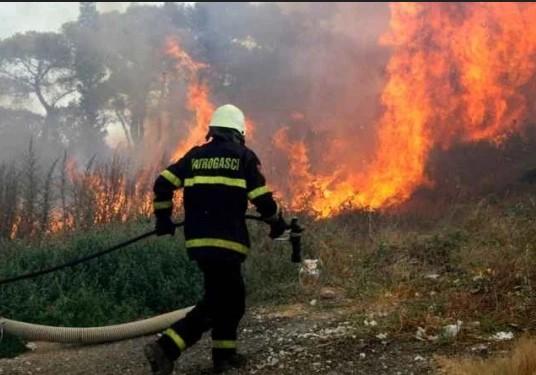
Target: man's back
215, 192
218, 179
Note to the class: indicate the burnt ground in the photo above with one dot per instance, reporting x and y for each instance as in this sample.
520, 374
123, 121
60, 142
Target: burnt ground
293, 339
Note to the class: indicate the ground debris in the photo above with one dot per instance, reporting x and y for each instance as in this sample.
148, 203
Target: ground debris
308, 342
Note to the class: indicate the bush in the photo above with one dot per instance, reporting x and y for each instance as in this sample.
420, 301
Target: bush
148, 277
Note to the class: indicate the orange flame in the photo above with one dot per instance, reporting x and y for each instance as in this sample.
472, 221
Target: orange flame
200, 104
198, 101
103, 194
299, 169
456, 74
15, 227
183, 61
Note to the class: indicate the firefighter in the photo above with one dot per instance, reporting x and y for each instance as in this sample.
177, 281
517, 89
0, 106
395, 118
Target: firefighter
218, 179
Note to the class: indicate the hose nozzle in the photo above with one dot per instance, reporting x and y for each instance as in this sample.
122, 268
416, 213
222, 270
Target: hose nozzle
295, 240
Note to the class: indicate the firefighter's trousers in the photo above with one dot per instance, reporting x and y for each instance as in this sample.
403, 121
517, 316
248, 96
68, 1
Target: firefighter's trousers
221, 309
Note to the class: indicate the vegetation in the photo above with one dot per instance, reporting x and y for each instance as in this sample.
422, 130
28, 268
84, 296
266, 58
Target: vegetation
477, 264
426, 268
38, 199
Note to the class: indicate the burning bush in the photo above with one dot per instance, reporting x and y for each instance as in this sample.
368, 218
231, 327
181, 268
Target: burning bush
37, 200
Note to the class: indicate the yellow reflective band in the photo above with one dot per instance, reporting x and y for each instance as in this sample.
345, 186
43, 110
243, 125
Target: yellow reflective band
216, 242
176, 338
255, 193
224, 344
162, 205
171, 178
237, 182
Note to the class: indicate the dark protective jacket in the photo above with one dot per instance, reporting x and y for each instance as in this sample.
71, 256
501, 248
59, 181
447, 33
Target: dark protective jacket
218, 178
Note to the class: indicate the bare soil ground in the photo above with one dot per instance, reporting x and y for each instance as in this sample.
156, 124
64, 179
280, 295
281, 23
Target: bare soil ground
294, 339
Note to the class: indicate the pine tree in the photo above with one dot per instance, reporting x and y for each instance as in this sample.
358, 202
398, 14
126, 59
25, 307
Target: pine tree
90, 72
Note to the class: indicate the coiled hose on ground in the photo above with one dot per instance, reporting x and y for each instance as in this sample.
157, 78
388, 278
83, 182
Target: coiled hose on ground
93, 335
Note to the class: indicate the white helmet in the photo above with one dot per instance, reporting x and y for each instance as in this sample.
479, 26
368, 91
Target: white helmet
229, 116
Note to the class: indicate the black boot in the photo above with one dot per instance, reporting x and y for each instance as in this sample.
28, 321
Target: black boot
233, 361
160, 363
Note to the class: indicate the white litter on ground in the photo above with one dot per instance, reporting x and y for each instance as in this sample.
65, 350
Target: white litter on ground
502, 336
381, 336
452, 330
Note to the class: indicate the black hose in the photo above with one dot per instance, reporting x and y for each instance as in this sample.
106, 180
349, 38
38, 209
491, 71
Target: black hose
75, 262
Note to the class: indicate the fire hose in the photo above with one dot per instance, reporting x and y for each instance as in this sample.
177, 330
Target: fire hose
96, 335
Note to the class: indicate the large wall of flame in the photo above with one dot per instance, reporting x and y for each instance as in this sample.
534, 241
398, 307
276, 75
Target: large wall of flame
347, 104
457, 73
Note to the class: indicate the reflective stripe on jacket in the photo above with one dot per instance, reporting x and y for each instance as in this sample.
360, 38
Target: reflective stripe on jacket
218, 180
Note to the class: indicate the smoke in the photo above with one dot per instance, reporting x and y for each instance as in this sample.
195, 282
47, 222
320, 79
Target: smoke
317, 69
343, 64
325, 81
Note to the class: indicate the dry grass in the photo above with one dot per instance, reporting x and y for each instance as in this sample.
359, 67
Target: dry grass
522, 361
40, 196
477, 264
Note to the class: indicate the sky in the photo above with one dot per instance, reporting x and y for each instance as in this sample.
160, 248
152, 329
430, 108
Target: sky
46, 16
21, 17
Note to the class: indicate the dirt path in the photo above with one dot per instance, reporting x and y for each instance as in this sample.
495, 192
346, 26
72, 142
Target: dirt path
297, 339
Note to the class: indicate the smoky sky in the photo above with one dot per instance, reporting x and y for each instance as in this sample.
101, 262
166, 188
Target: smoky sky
45, 16
328, 65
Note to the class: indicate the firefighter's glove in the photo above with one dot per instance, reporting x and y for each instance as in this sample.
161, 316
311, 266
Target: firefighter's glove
277, 226
164, 226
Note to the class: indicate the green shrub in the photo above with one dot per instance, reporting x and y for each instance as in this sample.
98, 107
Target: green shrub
147, 278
